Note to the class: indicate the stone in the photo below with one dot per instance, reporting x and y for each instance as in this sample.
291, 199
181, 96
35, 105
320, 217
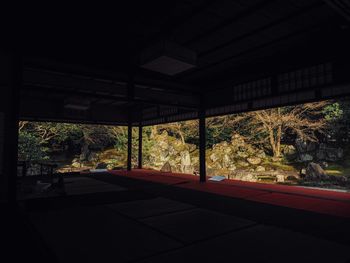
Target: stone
321, 154
254, 160
243, 176
300, 145
242, 154
305, 157
289, 150
261, 154
260, 169
324, 164
276, 159
242, 163
76, 165
166, 168
311, 146
101, 166
213, 157
315, 172
340, 153
226, 161
186, 166
280, 178
232, 167
292, 178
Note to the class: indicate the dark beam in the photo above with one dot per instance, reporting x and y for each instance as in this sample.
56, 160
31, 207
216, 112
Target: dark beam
227, 22
91, 94
258, 30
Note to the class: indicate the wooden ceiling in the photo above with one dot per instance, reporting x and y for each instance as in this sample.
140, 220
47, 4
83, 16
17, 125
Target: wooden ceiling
92, 52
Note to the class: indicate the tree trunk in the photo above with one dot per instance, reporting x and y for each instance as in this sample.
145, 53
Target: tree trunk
272, 142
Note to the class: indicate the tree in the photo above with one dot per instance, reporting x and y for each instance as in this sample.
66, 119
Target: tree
30, 148
305, 121
186, 131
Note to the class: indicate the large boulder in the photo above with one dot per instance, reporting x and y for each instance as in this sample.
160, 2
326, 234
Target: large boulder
244, 176
186, 166
260, 169
166, 168
242, 163
101, 166
254, 160
226, 161
305, 157
315, 172
300, 145
280, 178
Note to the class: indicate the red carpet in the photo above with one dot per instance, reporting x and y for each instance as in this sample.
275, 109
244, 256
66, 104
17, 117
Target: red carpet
314, 200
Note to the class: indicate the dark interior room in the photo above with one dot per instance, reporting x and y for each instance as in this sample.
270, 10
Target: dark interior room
176, 131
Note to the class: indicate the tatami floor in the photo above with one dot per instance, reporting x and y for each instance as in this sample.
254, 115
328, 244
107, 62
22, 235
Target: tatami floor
142, 217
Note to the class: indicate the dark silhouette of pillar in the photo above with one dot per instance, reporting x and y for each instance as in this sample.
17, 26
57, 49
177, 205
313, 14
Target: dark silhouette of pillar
202, 143
11, 79
129, 144
140, 148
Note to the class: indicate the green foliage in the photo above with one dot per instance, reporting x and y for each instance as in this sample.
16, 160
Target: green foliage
333, 112
30, 147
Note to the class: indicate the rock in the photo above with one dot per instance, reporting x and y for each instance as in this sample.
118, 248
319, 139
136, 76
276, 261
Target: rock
276, 159
292, 178
300, 145
260, 169
226, 161
232, 167
321, 154
85, 152
242, 154
166, 168
324, 164
92, 157
289, 150
340, 153
212, 172
254, 160
244, 176
305, 157
315, 172
261, 154
101, 166
214, 157
311, 146
76, 165
186, 166
329, 153
242, 164
280, 178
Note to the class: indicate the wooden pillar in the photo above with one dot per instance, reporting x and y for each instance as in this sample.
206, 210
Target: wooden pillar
140, 148
202, 144
11, 79
129, 144
130, 96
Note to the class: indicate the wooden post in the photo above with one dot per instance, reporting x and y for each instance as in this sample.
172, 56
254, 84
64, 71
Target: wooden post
129, 144
202, 144
140, 147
